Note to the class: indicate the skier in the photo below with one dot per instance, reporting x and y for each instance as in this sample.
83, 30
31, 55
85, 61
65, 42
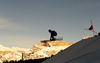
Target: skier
53, 33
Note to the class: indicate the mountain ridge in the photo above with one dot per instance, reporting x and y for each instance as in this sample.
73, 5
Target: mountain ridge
36, 52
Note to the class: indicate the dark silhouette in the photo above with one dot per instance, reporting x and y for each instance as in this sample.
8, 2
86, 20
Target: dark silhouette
29, 61
53, 33
99, 34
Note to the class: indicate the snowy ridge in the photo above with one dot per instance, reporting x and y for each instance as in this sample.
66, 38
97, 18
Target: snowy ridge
36, 52
45, 51
13, 49
84, 51
56, 48
13, 53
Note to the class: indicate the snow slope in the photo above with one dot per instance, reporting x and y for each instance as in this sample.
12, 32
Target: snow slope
84, 51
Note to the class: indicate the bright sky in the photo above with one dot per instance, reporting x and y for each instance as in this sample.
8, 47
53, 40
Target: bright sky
26, 22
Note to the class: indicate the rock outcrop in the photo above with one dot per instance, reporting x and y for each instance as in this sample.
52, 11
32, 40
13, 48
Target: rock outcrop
47, 49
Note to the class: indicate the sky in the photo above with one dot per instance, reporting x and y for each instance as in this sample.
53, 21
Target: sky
24, 23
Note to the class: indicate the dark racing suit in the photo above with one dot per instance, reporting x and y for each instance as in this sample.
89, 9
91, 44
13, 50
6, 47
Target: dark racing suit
53, 33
